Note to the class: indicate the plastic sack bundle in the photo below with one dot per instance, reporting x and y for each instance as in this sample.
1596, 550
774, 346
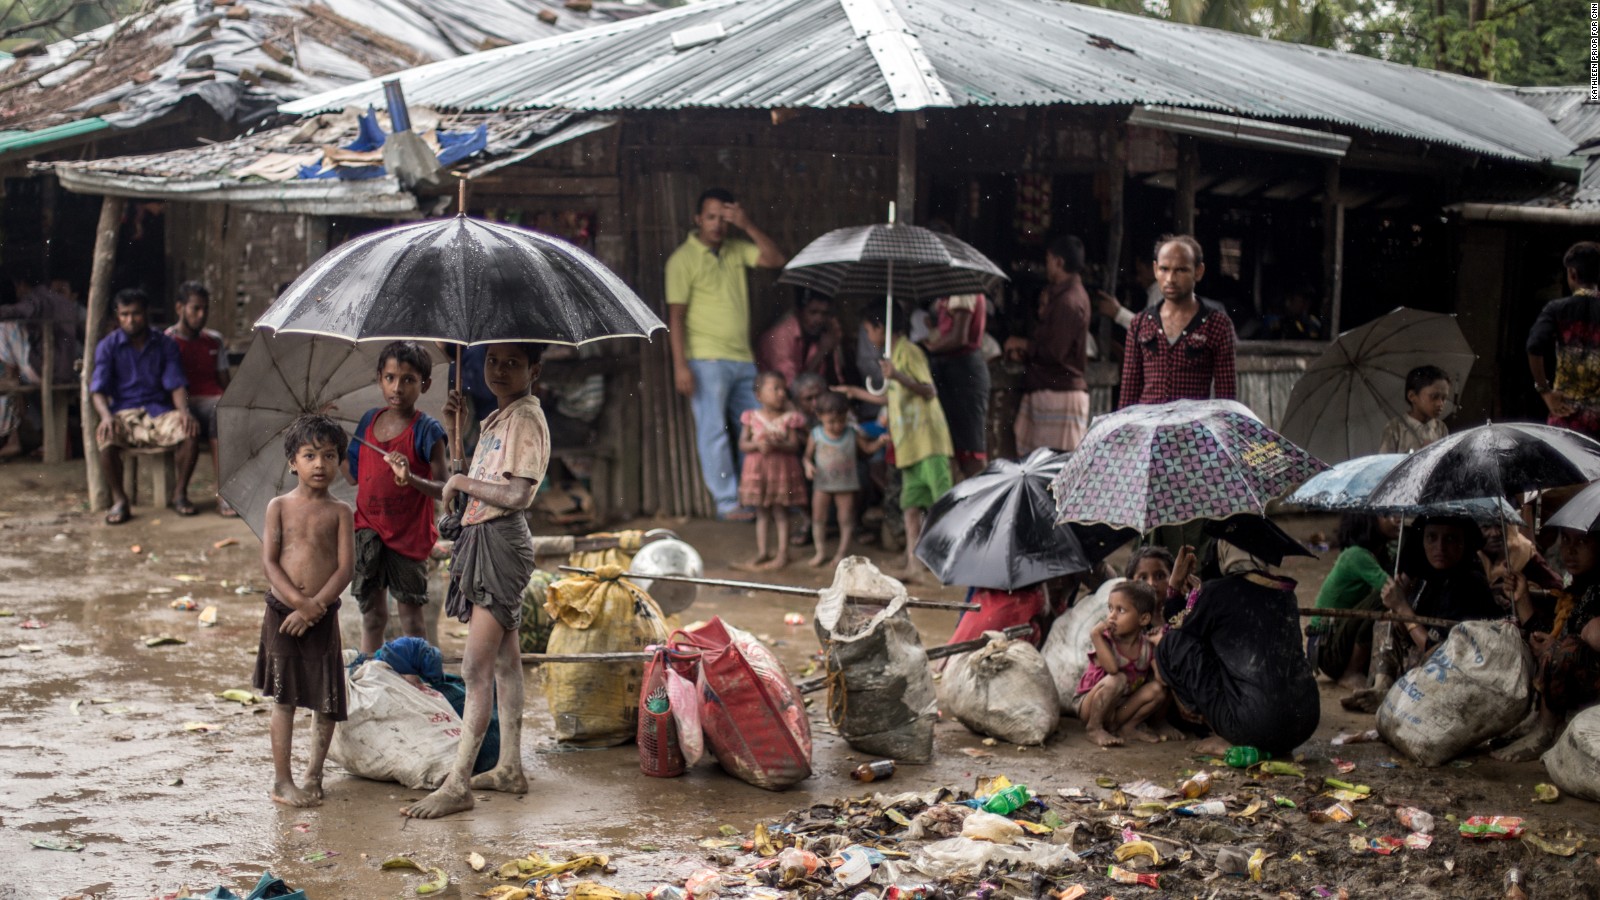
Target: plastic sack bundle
963, 857
1574, 761
1070, 643
1476, 685
1004, 690
628, 543
749, 709
597, 704
396, 731
880, 693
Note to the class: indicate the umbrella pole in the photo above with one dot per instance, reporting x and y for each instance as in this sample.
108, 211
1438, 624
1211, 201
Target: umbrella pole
455, 445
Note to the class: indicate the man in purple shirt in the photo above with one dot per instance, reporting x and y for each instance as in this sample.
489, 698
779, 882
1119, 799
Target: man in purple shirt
143, 401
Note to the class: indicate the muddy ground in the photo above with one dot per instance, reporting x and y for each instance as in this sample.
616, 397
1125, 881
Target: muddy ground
93, 747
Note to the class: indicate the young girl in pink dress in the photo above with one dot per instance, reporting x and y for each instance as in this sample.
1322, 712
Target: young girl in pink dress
772, 479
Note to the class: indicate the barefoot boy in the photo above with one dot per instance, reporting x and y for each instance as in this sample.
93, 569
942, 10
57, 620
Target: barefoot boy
308, 549
917, 427
394, 520
489, 569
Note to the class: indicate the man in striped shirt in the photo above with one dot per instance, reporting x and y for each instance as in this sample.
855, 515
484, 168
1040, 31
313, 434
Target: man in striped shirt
1183, 347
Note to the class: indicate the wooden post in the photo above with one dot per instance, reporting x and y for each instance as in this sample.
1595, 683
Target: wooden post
906, 184
1116, 173
1188, 168
105, 254
1332, 247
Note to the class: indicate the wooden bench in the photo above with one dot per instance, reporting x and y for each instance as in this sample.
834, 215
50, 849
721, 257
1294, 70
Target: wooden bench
163, 474
55, 399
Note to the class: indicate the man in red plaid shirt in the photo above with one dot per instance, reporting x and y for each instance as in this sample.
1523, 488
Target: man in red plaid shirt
1181, 348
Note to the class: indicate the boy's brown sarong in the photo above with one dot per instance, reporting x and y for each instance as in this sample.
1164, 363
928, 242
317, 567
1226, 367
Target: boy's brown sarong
305, 671
490, 567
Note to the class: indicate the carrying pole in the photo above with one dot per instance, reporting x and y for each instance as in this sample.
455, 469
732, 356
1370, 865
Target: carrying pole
788, 589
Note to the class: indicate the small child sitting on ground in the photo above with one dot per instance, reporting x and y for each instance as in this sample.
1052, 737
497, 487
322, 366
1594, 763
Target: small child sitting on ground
395, 529
1427, 390
772, 479
1116, 693
831, 463
308, 550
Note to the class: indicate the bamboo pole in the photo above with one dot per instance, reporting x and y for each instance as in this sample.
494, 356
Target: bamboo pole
813, 593
812, 685
105, 255
1377, 616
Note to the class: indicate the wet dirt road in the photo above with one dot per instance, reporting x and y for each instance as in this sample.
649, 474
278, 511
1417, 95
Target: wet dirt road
93, 744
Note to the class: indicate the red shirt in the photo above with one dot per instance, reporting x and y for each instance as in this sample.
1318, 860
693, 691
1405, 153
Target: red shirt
402, 516
202, 357
1198, 366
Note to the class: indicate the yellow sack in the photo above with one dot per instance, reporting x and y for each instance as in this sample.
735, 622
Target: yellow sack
628, 543
597, 704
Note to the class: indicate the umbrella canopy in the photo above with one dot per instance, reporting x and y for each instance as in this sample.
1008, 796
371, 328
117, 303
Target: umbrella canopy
996, 530
1581, 513
1258, 536
1349, 486
1346, 397
281, 378
464, 281
1488, 461
863, 258
1346, 485
1171, 463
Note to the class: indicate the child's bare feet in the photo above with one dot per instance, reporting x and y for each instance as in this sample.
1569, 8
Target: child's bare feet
774, 564
1169, 732
1138, 733
313, 786
502, 779
1212, 746
819, 560
451, 797
1103, 738
1353, 681
289, 794
754, 565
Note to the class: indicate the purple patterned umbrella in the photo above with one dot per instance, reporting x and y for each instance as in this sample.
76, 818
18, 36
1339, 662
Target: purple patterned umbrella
1171, 463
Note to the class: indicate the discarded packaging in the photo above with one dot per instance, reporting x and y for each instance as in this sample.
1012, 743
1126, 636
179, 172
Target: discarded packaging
877, 770
1123, 876
1414, 819
703, 884
1338, 812
983, 826
1356, 737
793, 619
853, 867
1493, 827
1008, 800
1198, 785
1546, 793
1208, 808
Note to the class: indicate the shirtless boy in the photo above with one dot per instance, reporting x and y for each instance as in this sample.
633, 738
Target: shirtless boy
308, 550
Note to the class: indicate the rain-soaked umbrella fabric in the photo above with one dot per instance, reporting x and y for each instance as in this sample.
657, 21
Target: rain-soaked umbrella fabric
1349, 486
1173, 463
926, 264
1347, 396
1258, 536
1488, 461
996, 530
461, 280
1581, 513
281, 378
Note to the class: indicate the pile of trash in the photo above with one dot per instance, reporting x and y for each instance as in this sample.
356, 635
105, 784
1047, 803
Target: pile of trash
1269, 828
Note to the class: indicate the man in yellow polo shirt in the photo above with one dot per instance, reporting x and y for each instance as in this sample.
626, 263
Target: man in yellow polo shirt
708, 314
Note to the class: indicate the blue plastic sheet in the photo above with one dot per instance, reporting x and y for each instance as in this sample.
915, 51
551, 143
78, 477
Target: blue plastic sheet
454, 146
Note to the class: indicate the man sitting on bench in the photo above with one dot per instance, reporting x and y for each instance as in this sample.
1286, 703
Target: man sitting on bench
142, 400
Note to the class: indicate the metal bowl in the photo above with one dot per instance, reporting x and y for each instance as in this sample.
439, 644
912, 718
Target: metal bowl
668, 556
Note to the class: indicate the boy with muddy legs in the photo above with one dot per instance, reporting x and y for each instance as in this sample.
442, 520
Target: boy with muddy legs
490, 567
394, 521
308, 550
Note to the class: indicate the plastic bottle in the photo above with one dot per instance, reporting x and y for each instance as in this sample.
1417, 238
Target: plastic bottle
1514, 889
1198, 785
877, 770
1243, 757
1008, 801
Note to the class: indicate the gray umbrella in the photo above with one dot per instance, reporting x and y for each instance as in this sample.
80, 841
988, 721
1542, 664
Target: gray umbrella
281, 378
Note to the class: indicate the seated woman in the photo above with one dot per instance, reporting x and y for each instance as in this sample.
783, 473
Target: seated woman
1442, 577
1568, 654
1238, 664
1341, 648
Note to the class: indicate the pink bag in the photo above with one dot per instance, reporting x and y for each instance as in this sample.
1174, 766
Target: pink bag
752, 715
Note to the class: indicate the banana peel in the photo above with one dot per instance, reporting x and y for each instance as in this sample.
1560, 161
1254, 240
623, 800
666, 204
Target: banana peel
441, 880
238, 696
763, 841
589, 890
537, 865
1134, 849
507, 892
403, 862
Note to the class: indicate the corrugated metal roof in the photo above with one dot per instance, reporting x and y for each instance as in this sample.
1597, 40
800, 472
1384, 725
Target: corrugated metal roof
805, 53
1567, 107
18, 140
246, 58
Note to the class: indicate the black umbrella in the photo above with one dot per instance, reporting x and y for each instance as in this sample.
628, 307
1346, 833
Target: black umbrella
1581, 513
464, 281
996, 530
1487, 461
1258, 536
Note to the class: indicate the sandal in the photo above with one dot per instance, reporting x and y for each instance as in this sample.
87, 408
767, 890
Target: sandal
225, 509
118, 514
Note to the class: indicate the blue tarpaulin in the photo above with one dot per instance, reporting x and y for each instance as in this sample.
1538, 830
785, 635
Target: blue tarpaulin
454, 146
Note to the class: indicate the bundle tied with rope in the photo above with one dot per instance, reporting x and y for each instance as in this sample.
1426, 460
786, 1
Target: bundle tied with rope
880, 691
597, 704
